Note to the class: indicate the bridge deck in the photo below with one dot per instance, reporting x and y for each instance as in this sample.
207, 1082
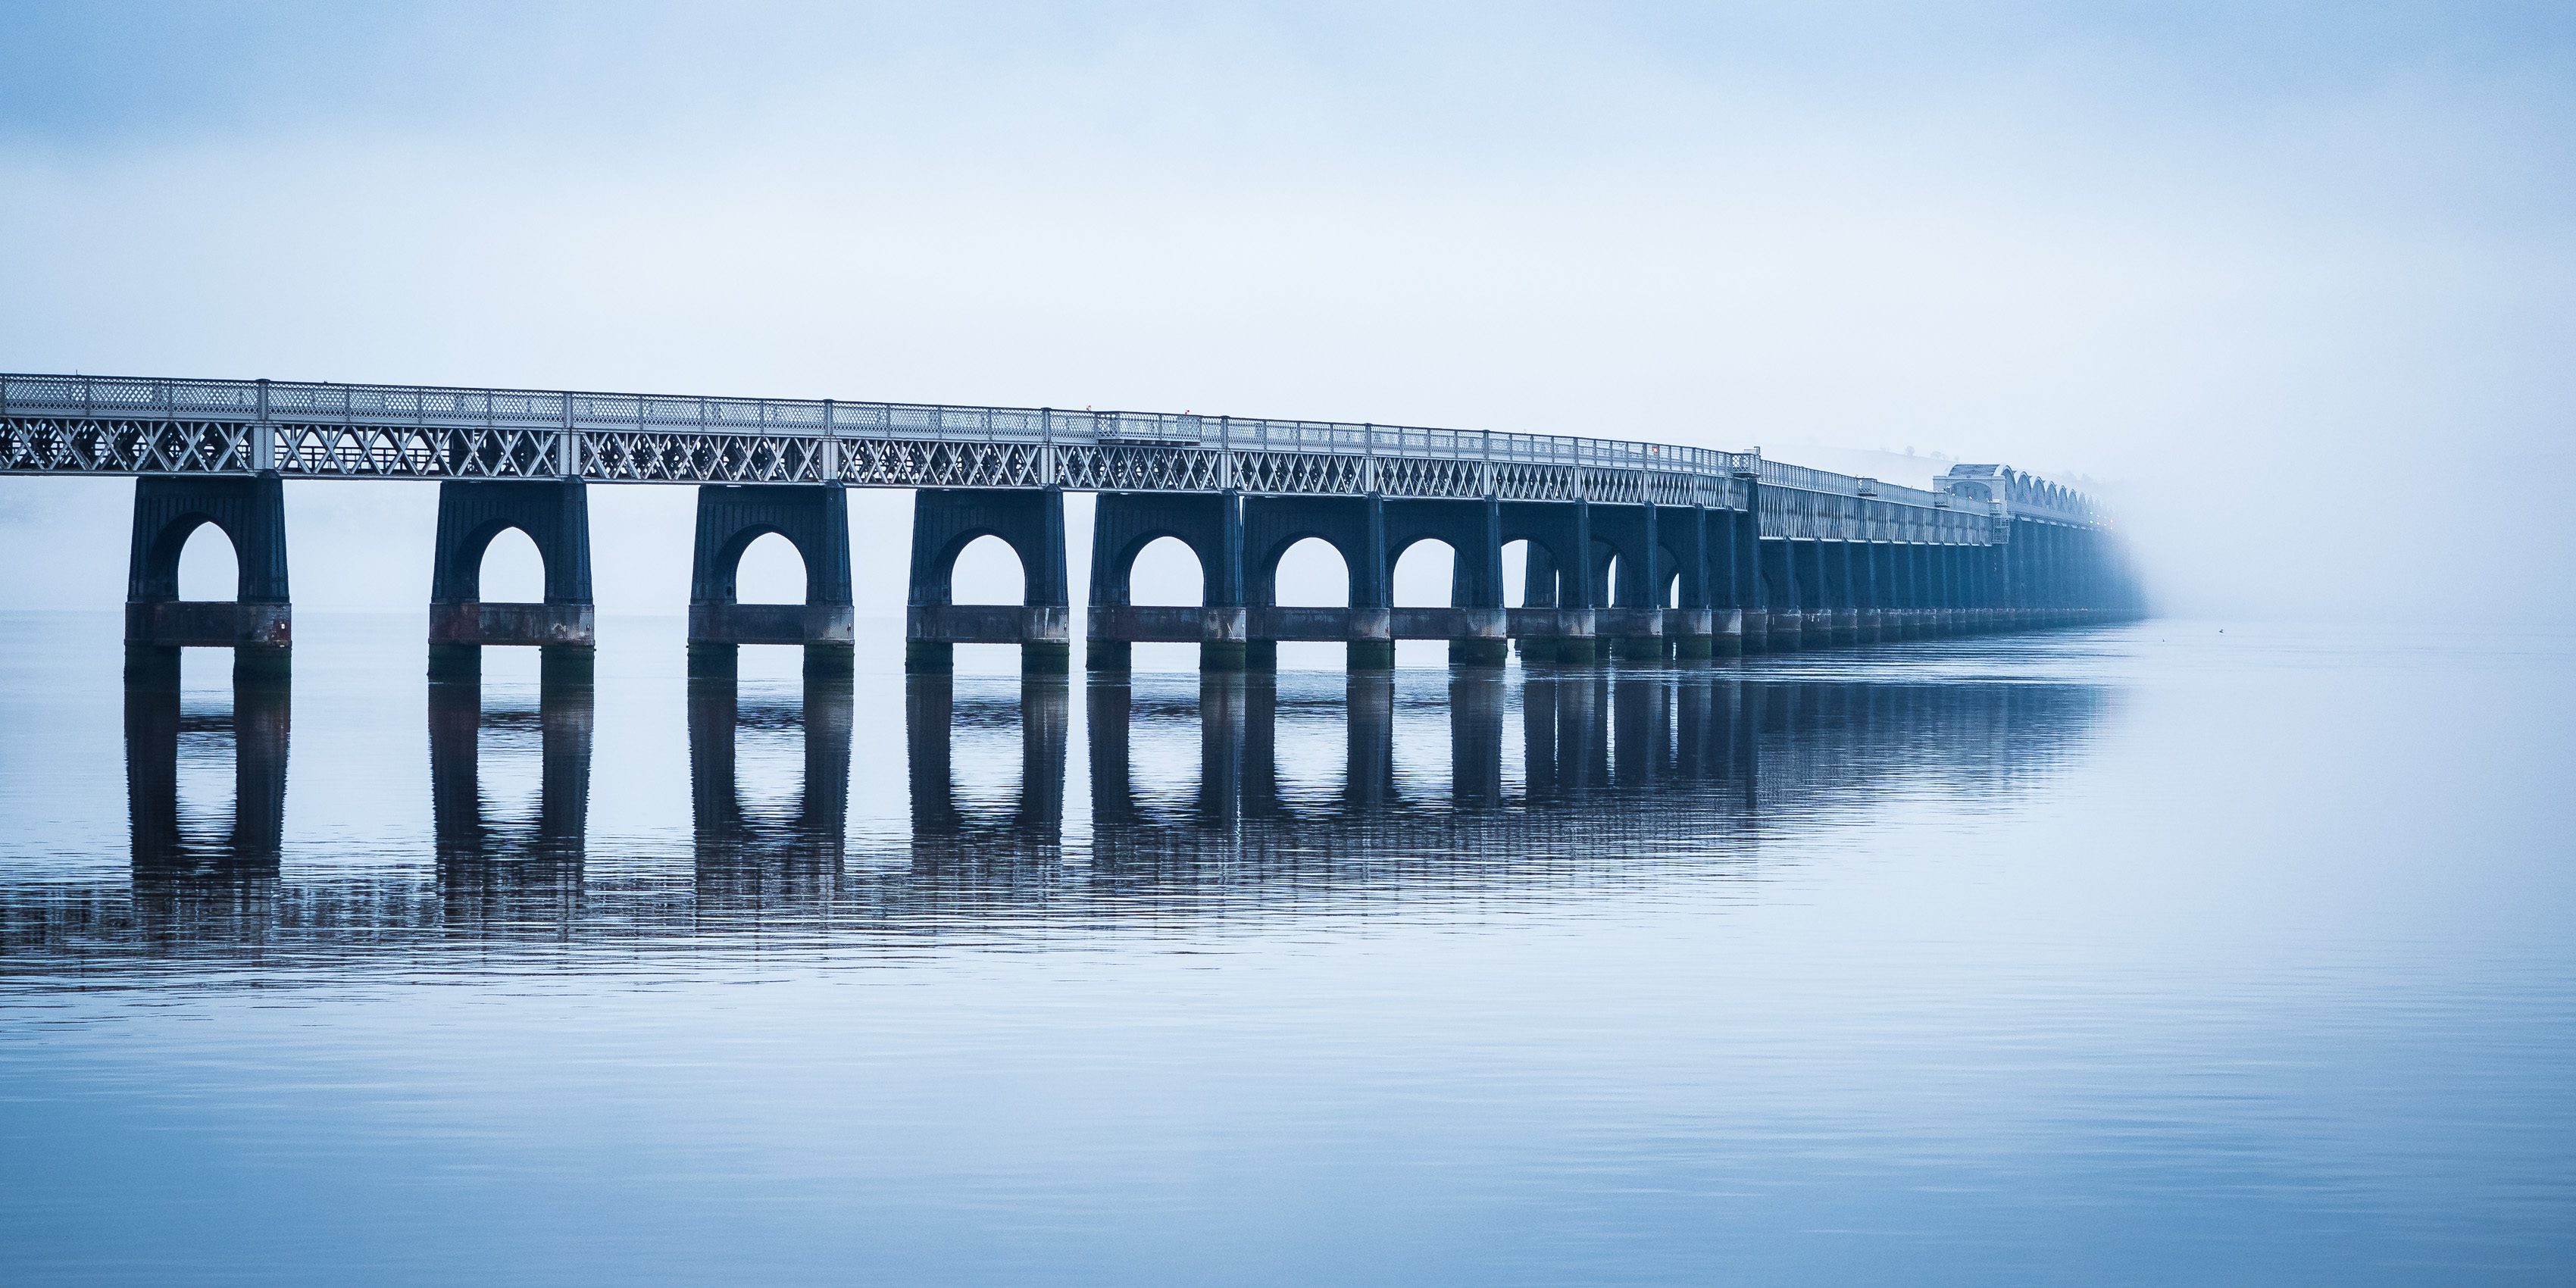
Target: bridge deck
53, 424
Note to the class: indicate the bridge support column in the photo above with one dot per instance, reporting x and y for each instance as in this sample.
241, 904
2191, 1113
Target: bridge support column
1895, 592
1869, 587
1744, 554
1372, 641
1785, 617
1997, 588
1031, 522
257, 624
1579, 645
1725, 586
555, 514
1476, 586
1538, 598
1816, 596
1964, 589
1123, 524
1627, 618
1691, 628
815, 518
1924, 570
1842, 582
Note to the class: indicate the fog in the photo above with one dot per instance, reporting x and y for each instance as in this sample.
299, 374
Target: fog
2293, 287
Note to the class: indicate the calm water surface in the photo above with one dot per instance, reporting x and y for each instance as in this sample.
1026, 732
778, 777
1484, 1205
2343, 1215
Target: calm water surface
2148, 955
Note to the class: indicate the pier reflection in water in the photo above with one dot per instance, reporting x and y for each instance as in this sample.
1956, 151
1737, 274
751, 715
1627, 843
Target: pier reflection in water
753, 852
192, 873
494, 870
1221, 794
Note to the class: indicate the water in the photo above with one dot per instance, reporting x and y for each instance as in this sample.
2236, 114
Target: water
2146, 955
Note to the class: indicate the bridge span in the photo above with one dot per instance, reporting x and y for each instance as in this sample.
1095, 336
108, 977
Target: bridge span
1638, 550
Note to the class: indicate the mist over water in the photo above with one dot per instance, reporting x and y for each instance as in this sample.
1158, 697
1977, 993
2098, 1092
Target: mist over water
2228, 948
2125, 955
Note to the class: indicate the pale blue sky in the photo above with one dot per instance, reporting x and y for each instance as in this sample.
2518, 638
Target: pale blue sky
2289, 279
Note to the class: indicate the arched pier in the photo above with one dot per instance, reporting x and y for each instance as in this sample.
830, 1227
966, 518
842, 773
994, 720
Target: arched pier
1636, 552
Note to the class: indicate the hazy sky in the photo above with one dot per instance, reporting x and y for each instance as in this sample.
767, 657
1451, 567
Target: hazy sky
2295, 284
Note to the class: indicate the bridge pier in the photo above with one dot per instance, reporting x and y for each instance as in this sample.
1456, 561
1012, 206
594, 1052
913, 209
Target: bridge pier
461, 831
257, 624
164, 855
1031, 521
818, 827
555, 514
1691, 623
815, 518
1631, 620
1477, 625
1842, 590
1868, 589
1556, 622
1356, 527
1122, 525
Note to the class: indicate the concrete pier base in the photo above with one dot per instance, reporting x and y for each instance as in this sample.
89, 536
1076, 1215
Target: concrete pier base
1638, 648
724, 661
1046, 657
1753, 630
1726, 633
559, 664
929, 657
1108, 657
1261, 656
831, 661
1479, 652
1223, 657
1371, 655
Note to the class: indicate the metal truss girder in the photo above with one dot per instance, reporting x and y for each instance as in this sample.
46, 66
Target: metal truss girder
130, 426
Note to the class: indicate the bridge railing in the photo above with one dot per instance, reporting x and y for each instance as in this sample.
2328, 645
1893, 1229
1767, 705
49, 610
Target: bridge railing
443, 407
426, 405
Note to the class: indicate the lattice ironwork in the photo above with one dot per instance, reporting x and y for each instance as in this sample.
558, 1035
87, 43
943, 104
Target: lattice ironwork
124, 425
1301, 474
1414, 477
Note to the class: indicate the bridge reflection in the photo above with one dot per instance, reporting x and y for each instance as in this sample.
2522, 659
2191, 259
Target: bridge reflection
1193, 799
493, 869
749, 853
187, 865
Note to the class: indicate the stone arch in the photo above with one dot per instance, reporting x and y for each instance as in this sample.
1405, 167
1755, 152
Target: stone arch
1516, 578
206, 539
1127, 524
1552, 531
767, 546
554, 514
1265, 576
983, 560
499, 553
1163, 548
1668, 591
946, 521
1355, 527
1606, 576
814, 520
1448, 560
462, 570
250, 513
1115, 569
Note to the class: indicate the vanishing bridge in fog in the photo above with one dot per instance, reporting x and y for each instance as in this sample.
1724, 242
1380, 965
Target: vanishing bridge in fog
1653, 551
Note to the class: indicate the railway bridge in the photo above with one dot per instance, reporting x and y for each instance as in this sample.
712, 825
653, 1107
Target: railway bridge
1635, 550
